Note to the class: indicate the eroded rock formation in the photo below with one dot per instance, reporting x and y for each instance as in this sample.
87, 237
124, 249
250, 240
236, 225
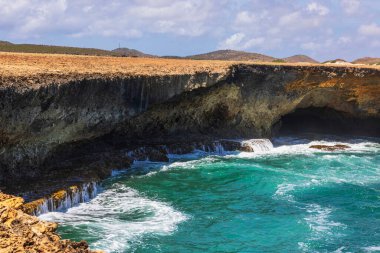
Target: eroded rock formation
86, 127
20, 232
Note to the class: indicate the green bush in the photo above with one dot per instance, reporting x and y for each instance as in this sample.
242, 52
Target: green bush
279, 60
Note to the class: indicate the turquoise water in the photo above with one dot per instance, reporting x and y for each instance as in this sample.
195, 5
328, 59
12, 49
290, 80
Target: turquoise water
289, 199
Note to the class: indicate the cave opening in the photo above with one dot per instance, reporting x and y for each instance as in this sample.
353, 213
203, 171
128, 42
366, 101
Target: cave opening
325, 120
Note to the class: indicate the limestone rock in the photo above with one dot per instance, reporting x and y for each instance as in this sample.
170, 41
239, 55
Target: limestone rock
330, 147
20, 232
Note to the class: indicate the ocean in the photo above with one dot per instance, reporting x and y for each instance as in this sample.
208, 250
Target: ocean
286, 198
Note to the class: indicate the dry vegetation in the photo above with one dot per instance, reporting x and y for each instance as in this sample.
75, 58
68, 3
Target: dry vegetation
34, 70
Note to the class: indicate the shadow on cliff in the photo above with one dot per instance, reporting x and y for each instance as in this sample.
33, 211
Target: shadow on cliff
325, 120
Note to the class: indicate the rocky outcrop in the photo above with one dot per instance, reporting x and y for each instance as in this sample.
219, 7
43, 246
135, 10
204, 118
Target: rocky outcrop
62, 200
330, 147
20, 232
83, 128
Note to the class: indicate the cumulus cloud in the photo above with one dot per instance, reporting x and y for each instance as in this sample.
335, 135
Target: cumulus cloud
310, 46
245, 18
271, 26
370, 30
350, 6
320, 9
232, 42
106, 18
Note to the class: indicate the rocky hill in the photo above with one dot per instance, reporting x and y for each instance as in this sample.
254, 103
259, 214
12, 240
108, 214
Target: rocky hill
6, 46
337, 61
299, 58
131, 53
367, 60
232, 55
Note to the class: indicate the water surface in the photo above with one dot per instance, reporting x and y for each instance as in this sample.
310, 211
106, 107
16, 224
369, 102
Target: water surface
289, 199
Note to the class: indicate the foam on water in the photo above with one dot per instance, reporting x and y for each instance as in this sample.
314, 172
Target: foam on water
372, 249
267, 192
120, 216
259, 145
80, 194
319, 221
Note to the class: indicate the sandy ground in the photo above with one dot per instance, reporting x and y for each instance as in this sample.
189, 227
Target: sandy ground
34, 70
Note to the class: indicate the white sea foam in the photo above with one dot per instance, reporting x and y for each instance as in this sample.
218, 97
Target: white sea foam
372, 249
319, 221
120, 216
299, 146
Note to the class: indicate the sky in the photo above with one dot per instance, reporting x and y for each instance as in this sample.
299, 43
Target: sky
322, 29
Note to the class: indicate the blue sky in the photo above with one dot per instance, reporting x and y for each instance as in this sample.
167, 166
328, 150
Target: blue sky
323, 29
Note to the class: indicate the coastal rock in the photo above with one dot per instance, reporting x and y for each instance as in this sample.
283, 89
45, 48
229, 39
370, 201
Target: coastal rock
20, 232
330, 147
77, 128
153, 154
62, 200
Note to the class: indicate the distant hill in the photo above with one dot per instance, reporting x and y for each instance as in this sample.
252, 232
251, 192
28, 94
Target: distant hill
131, 53
300, 58
3, 42
232, 55
367, 60
6, 46
337, 61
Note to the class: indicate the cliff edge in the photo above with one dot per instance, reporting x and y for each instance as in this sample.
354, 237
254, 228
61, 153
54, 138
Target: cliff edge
74, 118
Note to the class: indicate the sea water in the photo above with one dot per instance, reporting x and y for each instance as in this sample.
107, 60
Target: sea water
288, 198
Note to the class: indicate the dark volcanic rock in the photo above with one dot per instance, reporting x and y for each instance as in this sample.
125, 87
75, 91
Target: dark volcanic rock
80, 128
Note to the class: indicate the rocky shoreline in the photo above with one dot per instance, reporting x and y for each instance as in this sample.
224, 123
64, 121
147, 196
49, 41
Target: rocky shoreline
59, 132
83, 127
20, 232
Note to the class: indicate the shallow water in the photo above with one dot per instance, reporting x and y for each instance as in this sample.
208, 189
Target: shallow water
288, 199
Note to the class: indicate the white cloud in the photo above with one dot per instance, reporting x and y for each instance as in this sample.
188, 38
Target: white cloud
254, 42
232, 42
310, 46
344, 40
273, 27
290, 18
350, 6
245, 18
132, 18
370, 30
320, 9
239, 41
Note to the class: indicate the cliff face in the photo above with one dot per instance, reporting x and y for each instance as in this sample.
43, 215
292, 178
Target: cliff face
59, 129
36, 123
254, 99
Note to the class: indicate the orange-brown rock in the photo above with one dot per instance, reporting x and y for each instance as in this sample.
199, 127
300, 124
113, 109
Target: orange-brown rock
330, 147
20, 232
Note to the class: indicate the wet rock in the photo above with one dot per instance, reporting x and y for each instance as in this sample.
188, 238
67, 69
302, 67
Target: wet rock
62, 199
20, 232
232, 145
180, 148
330, 147
245, 147
153, 154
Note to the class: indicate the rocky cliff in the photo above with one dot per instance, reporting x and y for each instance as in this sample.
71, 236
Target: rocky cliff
83, 125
